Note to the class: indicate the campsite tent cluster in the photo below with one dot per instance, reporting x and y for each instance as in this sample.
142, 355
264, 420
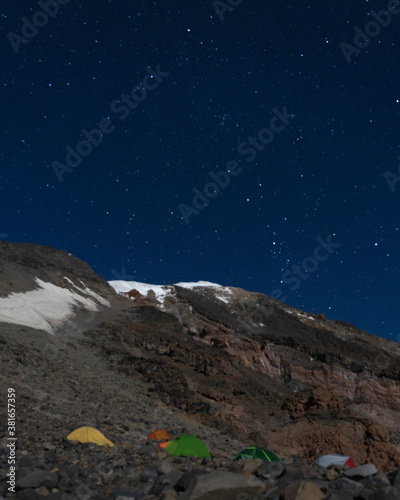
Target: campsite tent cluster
188, 445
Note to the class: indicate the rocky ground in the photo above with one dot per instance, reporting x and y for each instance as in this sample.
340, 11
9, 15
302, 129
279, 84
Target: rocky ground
246, 371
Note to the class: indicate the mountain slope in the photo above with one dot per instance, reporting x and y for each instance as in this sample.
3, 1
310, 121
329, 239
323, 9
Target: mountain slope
235, 366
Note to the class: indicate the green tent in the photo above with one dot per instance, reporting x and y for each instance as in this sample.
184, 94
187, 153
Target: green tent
254, 452
187, 445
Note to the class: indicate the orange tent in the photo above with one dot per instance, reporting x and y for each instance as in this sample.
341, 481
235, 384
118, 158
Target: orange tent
160, 434
163, 445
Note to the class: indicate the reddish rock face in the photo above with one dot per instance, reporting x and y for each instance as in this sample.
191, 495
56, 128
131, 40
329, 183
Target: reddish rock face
236, 362
133, 294
293, 381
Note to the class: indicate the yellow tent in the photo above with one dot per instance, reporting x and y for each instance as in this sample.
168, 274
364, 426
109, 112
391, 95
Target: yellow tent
89, 435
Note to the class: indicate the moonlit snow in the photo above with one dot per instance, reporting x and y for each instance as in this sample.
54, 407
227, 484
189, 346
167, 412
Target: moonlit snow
47, 307
161, 291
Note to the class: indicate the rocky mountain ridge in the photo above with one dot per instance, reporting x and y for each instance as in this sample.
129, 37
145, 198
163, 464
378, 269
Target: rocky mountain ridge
230, 366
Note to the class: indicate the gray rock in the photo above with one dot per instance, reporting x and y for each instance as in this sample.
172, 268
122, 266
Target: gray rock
188, 478
67, 475
38, 478
298, 471
48, 446
59, 496
271, 470
171, 478
338, 496
330, 473
148, 449
166, 482
365, 494
376, 482
28, 461
148, 475
344, 488
92, 479
29, 494
361, 471
169, 495
388, 493
395, 478
83, 492
165, 467
42, 490
220, 485
114, 479
381, 478
127, 495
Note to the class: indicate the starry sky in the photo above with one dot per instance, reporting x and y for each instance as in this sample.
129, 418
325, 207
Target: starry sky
252, 144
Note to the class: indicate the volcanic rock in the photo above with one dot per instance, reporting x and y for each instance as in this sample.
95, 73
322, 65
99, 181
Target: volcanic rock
232, 367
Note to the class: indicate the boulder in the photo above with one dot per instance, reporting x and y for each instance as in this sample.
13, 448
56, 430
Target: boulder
169, 495
251, 465
29, 494
219, 485
361, 471
165, 467
344, 488
38, 478
271, 470
302, 490
387, 493
395, 478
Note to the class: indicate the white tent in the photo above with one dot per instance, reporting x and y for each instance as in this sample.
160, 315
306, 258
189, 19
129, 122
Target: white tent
340, 460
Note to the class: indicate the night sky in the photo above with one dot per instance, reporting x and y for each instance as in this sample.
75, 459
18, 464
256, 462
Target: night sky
289, 106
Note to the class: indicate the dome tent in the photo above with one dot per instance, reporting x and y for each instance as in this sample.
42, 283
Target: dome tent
89, 435
340, 460
159, 434
187, 445
255, 452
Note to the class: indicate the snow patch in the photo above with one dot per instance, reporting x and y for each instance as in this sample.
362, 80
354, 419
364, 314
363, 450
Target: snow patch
297, 313
223, 294
195, 284
88, 291
223, 298
46, 308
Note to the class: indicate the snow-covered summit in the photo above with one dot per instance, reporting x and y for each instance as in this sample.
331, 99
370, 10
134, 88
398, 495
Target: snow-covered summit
162, 291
